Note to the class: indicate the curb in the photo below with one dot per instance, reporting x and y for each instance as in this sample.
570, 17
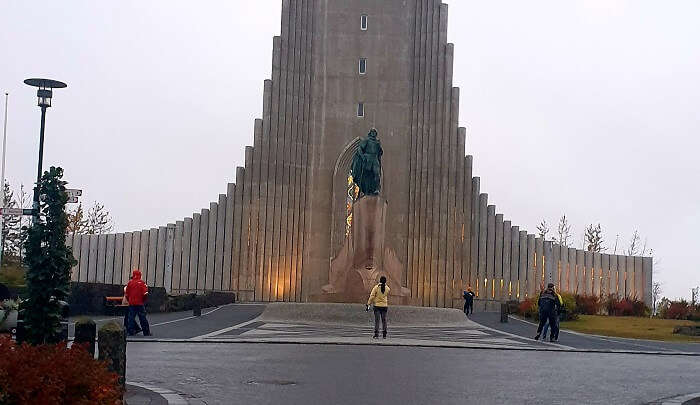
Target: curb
681, 399
172, 397
444, 345
618, 339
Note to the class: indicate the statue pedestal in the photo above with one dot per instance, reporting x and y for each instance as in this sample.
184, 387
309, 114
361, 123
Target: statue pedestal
364, 258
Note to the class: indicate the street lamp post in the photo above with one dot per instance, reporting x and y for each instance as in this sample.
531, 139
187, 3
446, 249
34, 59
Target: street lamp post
44, 94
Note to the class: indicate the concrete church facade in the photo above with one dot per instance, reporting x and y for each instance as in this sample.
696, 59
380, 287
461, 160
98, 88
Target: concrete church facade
339, 68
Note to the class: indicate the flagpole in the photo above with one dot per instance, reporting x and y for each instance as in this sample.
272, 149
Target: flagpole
2, 175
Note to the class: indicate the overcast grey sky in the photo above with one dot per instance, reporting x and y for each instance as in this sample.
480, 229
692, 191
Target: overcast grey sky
589, 108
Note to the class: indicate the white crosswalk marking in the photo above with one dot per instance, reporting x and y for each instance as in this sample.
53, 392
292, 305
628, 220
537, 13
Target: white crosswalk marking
474, 336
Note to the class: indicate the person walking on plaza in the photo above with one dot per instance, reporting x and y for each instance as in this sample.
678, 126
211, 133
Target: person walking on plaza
126, 314
549, 308
468, 301
546, 325
136, 293
379, 298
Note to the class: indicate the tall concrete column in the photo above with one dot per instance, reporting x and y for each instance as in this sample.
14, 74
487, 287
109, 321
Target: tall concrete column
211, 246
538, 267
605, 281
119, 259
507, 251
490, 252
92, 258
639, 278
580, 285
177, 256
161, 247
622, 276
521, 290
109, 260
596, 274
153, 278
613, 276
101, 256
530, 281
228, 239
75, 270
186, 251
588, 272
564, 268
475, 218
571, 271
126, 257
483, 237
647, 266
169, 257
498, 258
629, 283
219, 245
194, 252
143, 253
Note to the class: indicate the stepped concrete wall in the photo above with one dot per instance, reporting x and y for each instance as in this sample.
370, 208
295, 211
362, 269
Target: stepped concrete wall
273, 233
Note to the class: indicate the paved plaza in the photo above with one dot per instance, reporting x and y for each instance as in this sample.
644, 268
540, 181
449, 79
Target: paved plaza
229, 355
220, 373
237, 323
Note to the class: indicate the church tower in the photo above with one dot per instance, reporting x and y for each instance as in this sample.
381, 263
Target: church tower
340, 68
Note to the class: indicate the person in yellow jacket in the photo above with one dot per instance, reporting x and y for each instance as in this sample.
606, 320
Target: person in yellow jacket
555, 335
379, 298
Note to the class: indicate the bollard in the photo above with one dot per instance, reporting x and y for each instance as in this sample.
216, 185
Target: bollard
504, 312
111, 342
85, 332
196, 306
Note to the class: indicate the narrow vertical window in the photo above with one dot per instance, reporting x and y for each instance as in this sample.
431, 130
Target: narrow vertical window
363, 66
361, 109
363, 22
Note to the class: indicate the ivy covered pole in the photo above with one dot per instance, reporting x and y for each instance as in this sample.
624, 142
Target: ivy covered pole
49, 261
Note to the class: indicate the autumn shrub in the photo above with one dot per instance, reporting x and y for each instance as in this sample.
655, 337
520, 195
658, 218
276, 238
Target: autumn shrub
694, 313
676, 310
587, 304
569, 304
54, 374
528, 308
627, 306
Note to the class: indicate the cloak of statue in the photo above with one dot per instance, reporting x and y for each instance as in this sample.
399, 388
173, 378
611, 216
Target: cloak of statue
366, 169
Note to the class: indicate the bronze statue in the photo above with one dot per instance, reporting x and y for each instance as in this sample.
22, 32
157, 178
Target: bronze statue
366, 169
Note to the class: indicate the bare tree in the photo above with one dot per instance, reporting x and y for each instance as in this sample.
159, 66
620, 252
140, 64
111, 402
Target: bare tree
96, 221
543, 230
564, 232
77, 224
594, 238
694, 294
99, 220
11, 225
633, 249
24, 201
655, 295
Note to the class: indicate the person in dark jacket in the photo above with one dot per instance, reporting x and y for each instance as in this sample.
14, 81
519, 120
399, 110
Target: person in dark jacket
136, 292
549, 305
468, 301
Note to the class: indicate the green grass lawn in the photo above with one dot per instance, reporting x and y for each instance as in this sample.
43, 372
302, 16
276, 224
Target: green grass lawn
630, 327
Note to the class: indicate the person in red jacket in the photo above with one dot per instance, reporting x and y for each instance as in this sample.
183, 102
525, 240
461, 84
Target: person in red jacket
135, 293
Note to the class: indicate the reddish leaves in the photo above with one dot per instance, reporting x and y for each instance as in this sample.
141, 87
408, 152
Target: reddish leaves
53, 374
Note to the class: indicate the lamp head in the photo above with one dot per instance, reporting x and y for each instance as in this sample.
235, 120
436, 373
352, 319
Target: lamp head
45, 91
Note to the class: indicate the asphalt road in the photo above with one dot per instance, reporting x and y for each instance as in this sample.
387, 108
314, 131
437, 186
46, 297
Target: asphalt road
182, 325
581, 341
338, 374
